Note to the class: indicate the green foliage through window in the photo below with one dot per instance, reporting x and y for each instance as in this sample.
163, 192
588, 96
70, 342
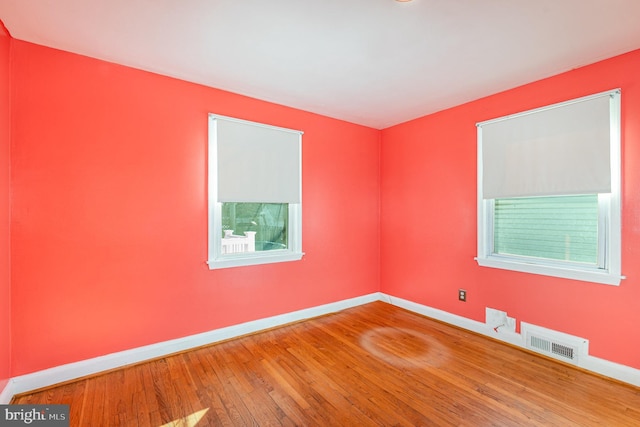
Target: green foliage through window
268, 220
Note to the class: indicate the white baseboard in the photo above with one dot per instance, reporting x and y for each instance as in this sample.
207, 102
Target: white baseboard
71, 371
7, 393
455, 320
603, 367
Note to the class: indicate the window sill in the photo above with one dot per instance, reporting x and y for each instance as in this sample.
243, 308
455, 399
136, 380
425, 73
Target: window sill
594, 276
241, 260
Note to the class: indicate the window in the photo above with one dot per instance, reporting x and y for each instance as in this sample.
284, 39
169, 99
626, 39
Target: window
549, 190
561, 228
255, 209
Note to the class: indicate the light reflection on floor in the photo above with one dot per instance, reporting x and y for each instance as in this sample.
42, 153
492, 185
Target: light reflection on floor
404, 348
188, 421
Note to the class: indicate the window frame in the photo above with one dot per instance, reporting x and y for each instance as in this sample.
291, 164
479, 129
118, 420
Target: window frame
609, 222
217, 260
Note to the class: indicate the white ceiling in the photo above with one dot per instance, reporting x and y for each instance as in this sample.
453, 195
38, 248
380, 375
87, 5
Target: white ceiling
372, 62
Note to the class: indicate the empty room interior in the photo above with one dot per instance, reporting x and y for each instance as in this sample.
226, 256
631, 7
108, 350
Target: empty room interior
364, 212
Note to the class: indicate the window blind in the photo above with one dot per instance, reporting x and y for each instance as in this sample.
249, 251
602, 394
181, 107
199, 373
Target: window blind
256, 162
562, 149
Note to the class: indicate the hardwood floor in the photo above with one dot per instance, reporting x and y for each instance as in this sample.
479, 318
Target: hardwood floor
371, 365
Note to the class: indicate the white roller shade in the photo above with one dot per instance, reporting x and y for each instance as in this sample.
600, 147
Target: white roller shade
255, 162
562, 149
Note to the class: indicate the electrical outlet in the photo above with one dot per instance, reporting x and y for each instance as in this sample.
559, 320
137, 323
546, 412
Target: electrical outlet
462, 295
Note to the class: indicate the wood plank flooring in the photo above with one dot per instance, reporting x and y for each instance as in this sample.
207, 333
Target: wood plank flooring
373, 365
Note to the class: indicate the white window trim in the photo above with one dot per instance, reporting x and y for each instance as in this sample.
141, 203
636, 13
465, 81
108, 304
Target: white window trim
611, 274
216, 259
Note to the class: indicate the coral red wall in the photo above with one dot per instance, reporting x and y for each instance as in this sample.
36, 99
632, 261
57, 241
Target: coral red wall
5, 199
109, 213
428, 219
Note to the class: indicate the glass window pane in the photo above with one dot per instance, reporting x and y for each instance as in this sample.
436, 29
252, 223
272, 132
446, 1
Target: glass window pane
249, 227
559, 228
